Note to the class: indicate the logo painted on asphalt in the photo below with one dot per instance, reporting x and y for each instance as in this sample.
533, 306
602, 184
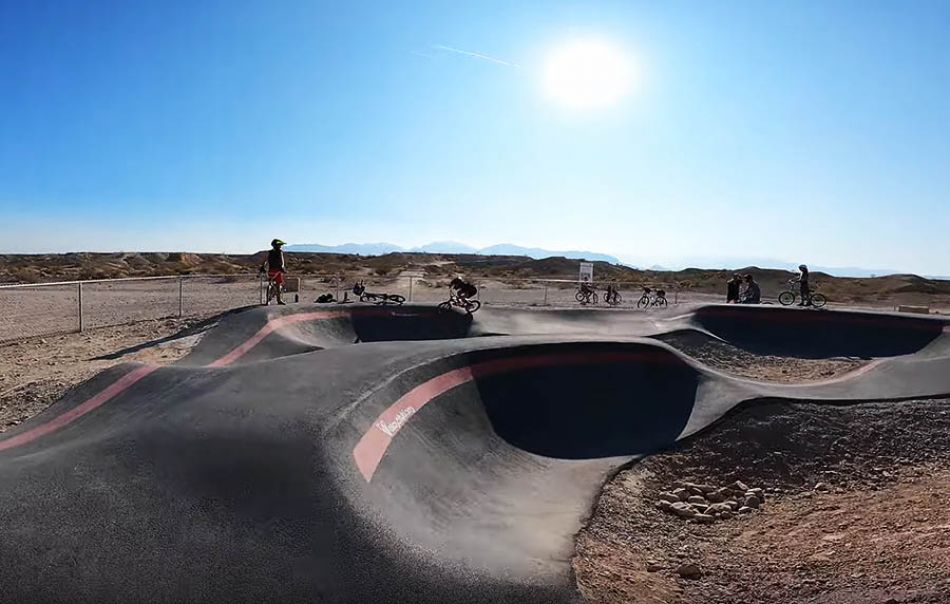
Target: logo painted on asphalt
391, 428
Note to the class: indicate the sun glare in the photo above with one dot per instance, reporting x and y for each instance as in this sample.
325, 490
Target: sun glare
587, 74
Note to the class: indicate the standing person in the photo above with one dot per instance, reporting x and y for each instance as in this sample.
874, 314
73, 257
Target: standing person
732, 289
803, 288
752, 293
276, 269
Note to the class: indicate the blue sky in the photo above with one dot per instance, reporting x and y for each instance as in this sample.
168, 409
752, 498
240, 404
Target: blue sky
814, 131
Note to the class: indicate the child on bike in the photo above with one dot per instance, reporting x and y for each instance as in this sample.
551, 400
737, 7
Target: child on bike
802, 281
463, 289
275, 269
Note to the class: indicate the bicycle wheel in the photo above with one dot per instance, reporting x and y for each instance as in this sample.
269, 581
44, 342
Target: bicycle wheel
397, 299
593, 297
618, 299
818, 300
786, 298
643, 302
661, 302
445, 306
580, 297
367, 298
473, 305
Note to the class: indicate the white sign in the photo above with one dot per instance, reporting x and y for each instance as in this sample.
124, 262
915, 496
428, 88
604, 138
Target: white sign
587, 272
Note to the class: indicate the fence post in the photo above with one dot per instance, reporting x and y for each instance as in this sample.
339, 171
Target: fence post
676, 295
545, 294
181, 282
410, 289
79, 299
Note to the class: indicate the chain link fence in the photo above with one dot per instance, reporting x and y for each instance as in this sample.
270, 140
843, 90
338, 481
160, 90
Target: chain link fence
32, 310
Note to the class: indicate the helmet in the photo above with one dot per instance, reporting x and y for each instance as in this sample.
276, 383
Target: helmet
277, 242
802, 267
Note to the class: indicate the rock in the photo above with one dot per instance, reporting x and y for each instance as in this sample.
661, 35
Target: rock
718, 508
688, 570
752, 502
681, 494
758, 493
739, 486
726, 515
682, 509
822, 487
697, 499
745, 510
716, 496
704, 518
664, 505
732, 503
653, 567
667, 496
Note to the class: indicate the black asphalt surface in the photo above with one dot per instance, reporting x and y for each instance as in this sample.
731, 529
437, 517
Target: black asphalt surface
367, 454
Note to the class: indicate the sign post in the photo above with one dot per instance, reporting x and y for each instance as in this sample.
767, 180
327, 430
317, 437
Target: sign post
586, 273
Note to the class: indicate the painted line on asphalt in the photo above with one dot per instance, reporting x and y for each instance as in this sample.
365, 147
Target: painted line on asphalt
60, 421
131, 378
369, 451
277, 323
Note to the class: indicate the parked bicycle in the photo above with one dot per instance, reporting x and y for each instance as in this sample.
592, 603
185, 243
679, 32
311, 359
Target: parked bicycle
790, 296
652, 299
586, 294
382, 299
462, 302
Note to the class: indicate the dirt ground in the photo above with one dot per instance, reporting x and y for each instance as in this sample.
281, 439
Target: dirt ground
730, 359
35, 373
855, 511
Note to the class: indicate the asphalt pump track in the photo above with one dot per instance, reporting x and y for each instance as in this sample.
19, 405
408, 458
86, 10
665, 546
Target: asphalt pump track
379, 454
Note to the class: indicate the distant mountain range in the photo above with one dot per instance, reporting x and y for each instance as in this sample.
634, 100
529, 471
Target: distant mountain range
450, 247
508, 249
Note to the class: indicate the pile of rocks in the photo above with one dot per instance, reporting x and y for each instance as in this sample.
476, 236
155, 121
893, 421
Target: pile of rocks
706, 504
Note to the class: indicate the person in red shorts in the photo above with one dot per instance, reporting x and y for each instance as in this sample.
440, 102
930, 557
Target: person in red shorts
276, 269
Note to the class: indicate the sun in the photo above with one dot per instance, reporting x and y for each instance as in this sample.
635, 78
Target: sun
587, 74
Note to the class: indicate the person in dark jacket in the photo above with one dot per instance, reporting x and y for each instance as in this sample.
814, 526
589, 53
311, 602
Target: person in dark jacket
732, 289
752, 293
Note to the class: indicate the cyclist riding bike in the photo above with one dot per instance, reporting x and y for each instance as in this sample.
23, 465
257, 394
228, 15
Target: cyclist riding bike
276, 270
463, 289
612, 294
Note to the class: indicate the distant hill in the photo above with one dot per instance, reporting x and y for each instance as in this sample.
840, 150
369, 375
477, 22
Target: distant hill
439, 267
451, 247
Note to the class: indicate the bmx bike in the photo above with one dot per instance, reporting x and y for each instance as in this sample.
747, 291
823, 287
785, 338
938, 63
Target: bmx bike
586, 295
464, 303
613, 297
380, 299
652, 299
788, 297
274, 289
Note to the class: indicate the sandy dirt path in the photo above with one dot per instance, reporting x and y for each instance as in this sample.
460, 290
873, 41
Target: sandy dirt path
37, 372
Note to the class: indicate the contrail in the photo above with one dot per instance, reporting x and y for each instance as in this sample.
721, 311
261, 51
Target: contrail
476, 55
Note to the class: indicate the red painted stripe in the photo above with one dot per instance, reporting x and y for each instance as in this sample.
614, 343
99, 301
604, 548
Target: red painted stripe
273, 325
369, 451
118, 387
270, 327
126, 381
